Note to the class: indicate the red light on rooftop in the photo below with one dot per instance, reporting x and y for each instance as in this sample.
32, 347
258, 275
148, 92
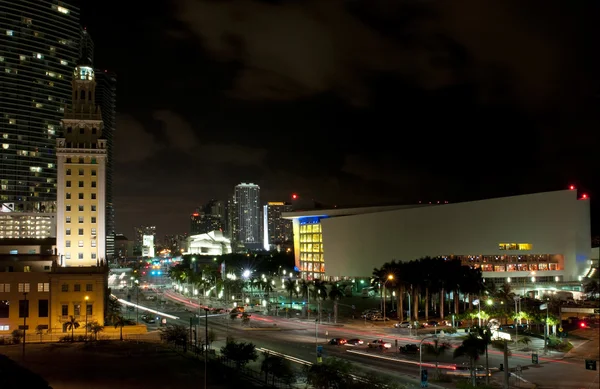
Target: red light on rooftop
195, 214
572, 187
294, 196
582, 325
584, 196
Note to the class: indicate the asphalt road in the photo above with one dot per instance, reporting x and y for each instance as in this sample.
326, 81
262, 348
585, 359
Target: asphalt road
296, 338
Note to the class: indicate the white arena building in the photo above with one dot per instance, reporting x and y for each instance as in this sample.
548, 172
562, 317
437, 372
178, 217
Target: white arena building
541, 237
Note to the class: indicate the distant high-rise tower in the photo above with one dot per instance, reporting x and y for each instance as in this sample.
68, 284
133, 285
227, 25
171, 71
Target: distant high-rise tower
210, 218
81, 191
39, 46
86, 46
276, 229
139, 233
106, 98
247, 208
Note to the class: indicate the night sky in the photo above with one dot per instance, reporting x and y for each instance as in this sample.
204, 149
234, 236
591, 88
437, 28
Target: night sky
355, 102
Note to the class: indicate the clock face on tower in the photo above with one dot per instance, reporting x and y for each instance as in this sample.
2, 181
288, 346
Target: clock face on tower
85, 73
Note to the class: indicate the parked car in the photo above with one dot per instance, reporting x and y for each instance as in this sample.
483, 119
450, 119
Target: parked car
409, 348
338, 341
404, 324
379, 343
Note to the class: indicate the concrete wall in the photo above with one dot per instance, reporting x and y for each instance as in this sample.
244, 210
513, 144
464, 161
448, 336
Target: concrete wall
553, 222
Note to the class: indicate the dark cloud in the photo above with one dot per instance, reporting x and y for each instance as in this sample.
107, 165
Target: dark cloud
347, 102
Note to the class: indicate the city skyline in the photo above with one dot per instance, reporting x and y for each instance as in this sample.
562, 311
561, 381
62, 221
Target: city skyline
432, 109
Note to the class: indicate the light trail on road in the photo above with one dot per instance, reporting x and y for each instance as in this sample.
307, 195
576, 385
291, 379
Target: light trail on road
144, 308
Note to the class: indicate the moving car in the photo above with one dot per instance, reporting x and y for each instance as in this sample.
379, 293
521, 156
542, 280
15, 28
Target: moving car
404, 324
409, 348
338, 341
354, 342
379, 343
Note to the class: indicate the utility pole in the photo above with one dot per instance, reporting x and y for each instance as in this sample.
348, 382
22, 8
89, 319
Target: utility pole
506, 370
25, 314
205, 346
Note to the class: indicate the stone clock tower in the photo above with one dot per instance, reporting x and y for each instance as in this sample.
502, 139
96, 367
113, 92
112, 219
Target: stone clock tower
81, 177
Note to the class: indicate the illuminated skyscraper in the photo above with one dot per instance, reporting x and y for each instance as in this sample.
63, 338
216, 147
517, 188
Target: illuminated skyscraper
247, 226
276, 230
39, 46
106, 98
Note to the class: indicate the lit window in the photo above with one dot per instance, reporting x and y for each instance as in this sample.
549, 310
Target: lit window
62, 10
93, 243
9, 32
80, 243
23, 287
39, 56
43, 287
4, 288
5, 146
63, 62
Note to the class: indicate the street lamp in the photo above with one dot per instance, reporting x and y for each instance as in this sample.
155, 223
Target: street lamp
86, 313
478, 303
389, 278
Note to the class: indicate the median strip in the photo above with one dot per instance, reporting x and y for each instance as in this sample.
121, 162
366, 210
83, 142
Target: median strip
427, 364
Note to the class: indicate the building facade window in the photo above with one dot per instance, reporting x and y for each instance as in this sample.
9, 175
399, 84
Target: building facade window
43, 287
76, 309
89, 287
64, 309
4, 309
4, 288
77, 288
80, 243
23, 308
42, 308
64, 287
23, 287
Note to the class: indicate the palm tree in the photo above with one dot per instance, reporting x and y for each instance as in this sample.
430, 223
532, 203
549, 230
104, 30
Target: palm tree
290, 286
485, 334
96, 328
268, 289
591, 287
437, 349
305, 295
335, 294
319, 293
71, 325
119, 322
472, 347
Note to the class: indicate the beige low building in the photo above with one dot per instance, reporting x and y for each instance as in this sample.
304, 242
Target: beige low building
44, 301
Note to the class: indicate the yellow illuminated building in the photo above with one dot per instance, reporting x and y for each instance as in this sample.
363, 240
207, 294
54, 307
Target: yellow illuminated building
308, 237
81, 177
42, 302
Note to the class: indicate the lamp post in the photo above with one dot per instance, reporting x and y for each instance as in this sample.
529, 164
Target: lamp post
86, 314
478, 303
421, 353
25, 314
205, 345
389, 278
517, 299
317, 337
